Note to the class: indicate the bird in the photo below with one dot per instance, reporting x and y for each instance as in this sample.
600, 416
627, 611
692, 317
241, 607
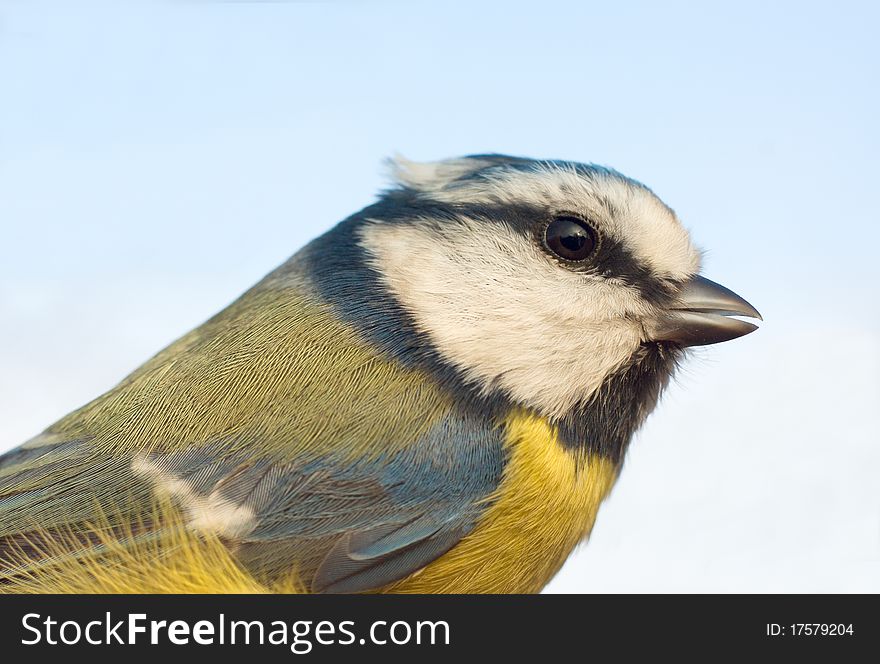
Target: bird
434, 396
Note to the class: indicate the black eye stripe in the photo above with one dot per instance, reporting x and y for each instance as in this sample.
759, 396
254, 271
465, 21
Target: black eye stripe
610, 258
570, 238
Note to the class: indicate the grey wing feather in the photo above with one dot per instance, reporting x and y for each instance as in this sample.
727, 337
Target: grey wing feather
346, 569
345, 525
357, 525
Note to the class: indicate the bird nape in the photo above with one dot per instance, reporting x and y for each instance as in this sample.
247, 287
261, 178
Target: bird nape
434, 396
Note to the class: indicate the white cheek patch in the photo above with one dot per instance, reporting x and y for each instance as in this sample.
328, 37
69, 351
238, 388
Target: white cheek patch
205, 513
503, 313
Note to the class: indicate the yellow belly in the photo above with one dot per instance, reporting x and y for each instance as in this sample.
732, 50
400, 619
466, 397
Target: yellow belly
545, 505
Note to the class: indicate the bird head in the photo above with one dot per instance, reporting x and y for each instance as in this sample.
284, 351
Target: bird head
540, 279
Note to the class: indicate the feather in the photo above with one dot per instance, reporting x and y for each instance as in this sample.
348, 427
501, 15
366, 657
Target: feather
235, 433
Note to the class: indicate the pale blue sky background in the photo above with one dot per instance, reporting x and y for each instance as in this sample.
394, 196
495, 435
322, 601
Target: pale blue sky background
158, 158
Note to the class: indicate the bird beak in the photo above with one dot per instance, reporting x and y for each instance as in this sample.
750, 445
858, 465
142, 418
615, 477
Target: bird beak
702, 315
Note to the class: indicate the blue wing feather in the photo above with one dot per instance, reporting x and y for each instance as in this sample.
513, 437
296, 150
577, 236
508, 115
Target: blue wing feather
347, 525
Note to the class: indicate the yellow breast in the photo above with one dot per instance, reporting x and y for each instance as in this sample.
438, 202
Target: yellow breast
545, 505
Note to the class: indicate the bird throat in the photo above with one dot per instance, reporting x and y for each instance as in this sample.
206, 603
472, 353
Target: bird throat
604, 424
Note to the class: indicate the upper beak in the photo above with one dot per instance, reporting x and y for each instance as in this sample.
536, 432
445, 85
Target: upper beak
702, 313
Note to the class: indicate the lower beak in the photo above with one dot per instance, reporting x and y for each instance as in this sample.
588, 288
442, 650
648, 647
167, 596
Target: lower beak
702, 315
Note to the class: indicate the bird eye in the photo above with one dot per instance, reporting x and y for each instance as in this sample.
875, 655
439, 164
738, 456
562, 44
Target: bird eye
570, 238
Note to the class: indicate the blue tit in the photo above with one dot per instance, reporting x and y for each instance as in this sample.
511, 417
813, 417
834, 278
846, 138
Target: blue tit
435, 396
